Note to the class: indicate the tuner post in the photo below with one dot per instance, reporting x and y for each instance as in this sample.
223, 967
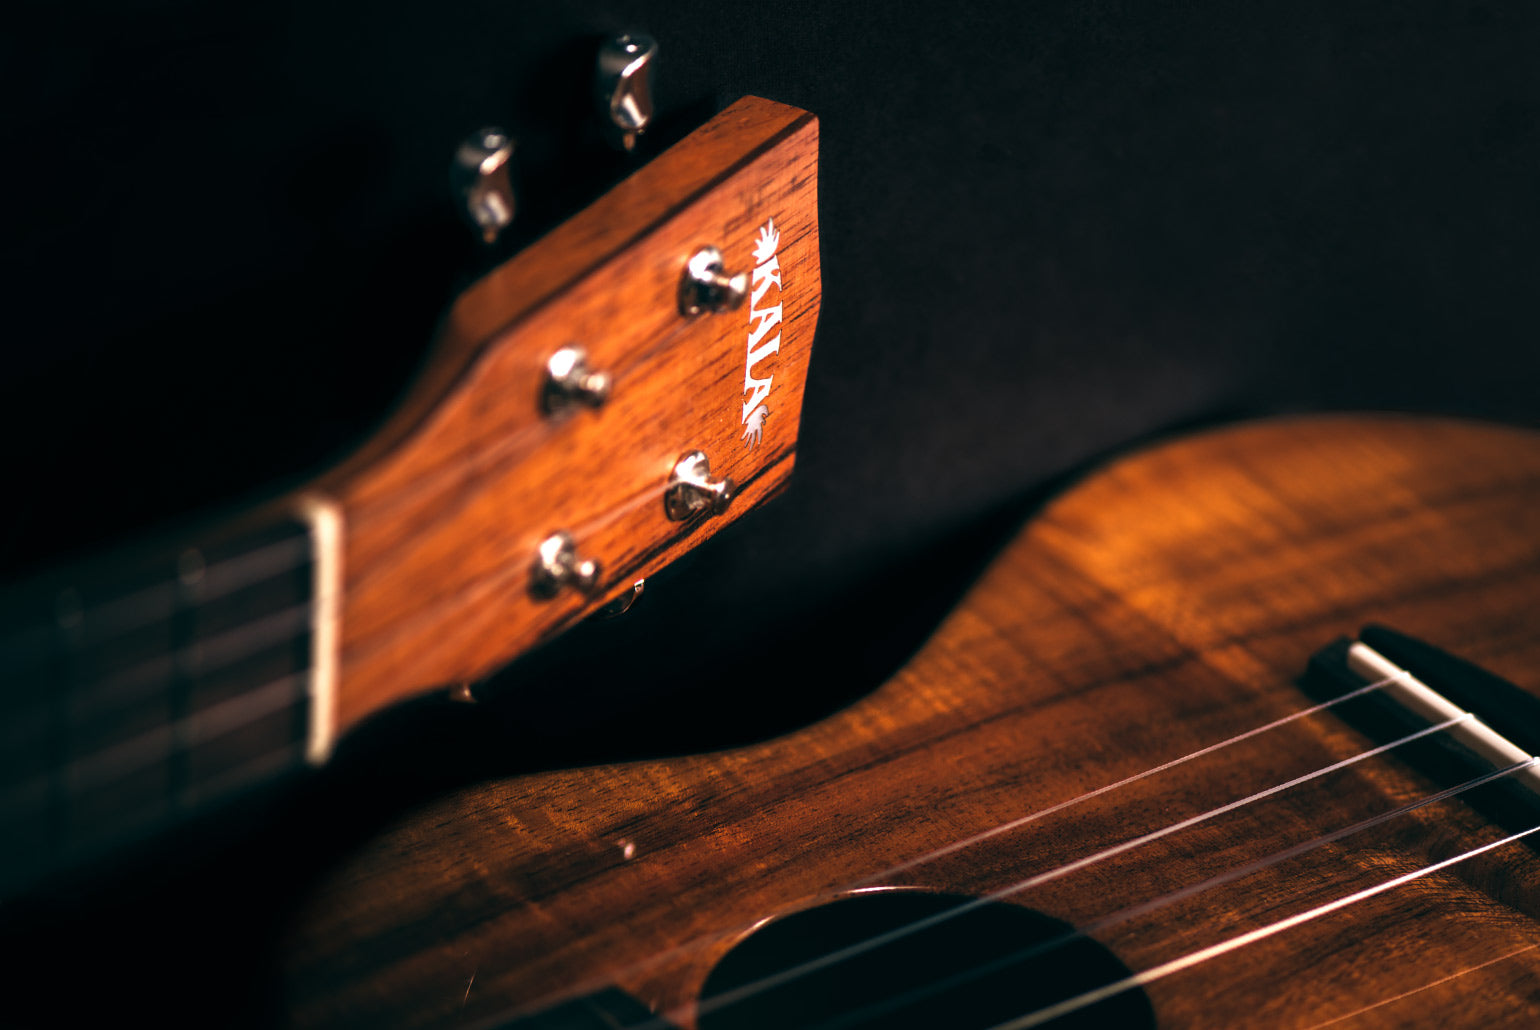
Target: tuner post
570, 382
557, 565
692, 490
481, 177
623, 87
706, 286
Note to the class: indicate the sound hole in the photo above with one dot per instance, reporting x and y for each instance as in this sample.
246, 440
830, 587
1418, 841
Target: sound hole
989, 965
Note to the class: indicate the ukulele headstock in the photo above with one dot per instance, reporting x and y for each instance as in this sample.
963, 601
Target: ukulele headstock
597, 405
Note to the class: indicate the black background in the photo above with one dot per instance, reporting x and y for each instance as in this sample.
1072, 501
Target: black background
1050, 231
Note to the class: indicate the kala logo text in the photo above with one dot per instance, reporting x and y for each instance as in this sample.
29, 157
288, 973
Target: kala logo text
762, 318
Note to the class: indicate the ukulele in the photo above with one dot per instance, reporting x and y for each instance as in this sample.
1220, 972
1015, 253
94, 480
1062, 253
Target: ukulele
594, 407
1104, 793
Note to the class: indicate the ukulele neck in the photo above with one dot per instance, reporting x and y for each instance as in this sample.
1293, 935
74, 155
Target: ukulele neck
158, 689
592, 408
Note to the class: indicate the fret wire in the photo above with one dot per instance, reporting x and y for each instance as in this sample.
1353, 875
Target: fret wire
208, 791
229, 649
100, 696
146, 820
136, 608
271, 560
99, 623
137, 753
66, 660
126, 707
186, 659
125, 612
217, 652
199, 727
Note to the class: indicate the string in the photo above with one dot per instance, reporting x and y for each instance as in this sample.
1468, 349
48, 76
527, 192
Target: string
139, 608
124, 686
145, 818
754, 987
1016, 824
1146, 907
240, 643
598, 982
129, 612
232, 573
1427, 986
137, 753
1224, 947
207, 655
483, 459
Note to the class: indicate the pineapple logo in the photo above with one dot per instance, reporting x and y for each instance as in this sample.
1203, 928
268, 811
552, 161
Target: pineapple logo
769, 238
763, 317
755, 425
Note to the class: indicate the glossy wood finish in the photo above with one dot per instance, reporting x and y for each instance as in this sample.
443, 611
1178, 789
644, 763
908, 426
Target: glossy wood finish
1167, 602
443, 514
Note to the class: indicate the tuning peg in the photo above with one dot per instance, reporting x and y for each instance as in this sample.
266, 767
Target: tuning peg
623, 87
691, 490
557, 565
482, 181
706, 286
569, 381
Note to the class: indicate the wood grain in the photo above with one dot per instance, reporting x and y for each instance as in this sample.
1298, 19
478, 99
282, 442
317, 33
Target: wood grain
444, 513
1165, 603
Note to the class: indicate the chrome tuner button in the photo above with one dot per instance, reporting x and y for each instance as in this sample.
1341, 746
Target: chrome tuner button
569, 381
480, 176
706, 286
691, 490
557, 565
623, 87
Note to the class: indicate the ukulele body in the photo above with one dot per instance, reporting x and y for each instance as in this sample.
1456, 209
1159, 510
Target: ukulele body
1169, 601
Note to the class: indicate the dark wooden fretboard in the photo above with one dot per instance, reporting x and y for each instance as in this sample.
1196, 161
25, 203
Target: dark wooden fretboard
135, 699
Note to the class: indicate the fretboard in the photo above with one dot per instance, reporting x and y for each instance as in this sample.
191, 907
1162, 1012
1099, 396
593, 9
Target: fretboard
136, 699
